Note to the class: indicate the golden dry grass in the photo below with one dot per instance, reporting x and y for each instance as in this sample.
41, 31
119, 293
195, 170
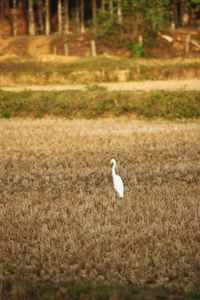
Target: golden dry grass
60, 220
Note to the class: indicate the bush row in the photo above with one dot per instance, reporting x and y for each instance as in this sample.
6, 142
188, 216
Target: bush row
96, 103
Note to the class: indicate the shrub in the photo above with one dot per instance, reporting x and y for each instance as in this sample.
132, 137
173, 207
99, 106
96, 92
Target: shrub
137, 50
96, 101
6, 115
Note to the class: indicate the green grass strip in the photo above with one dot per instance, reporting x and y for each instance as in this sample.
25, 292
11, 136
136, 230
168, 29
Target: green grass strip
12, 289
100, 103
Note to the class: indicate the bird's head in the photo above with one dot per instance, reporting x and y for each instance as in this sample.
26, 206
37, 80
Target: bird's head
113, 162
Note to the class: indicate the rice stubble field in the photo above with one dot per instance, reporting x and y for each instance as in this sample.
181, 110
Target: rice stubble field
60, 219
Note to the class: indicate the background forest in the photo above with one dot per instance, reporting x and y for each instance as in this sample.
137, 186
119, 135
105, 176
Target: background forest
44, 17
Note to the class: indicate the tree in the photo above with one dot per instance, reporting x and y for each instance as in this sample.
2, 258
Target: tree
40, 16
77, 15
31, 25
103, 6
1, 9
111, 8
14, 18
173, 14
196, 4
153, 12
66, 16
47, 18
94, 13
184, 13
82, 16
119, 11
59, 16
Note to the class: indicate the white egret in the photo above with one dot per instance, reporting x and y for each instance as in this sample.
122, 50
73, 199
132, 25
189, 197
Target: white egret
117, 181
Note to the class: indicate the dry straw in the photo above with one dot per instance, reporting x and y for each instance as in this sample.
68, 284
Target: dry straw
60, 220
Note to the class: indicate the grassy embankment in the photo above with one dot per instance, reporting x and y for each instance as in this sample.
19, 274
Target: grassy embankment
101, 69
97, 102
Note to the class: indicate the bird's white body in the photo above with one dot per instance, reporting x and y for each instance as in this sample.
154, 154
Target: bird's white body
117, 181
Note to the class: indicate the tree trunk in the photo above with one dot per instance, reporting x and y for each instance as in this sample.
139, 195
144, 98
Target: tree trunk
31, 29
186, 14
82, 15
66, 16
60, 16
111, 8
119, 11
1, 9
181, 9
103, 6
14, 18
2, 14
94, 12
47, 18
183, 13
40, 16
77, 16
174, 14
6, 8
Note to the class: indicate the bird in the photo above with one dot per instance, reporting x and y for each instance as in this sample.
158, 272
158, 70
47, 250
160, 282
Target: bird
117, 181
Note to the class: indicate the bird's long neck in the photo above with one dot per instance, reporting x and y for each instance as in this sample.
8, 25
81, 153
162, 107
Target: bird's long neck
113, 170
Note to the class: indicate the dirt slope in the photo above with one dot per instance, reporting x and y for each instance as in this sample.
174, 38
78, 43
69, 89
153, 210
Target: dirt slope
170, 43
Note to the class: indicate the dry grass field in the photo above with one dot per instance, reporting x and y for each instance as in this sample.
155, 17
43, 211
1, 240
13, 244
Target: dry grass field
60, 220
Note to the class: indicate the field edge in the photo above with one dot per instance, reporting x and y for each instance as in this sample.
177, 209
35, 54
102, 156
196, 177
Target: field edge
86, 289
